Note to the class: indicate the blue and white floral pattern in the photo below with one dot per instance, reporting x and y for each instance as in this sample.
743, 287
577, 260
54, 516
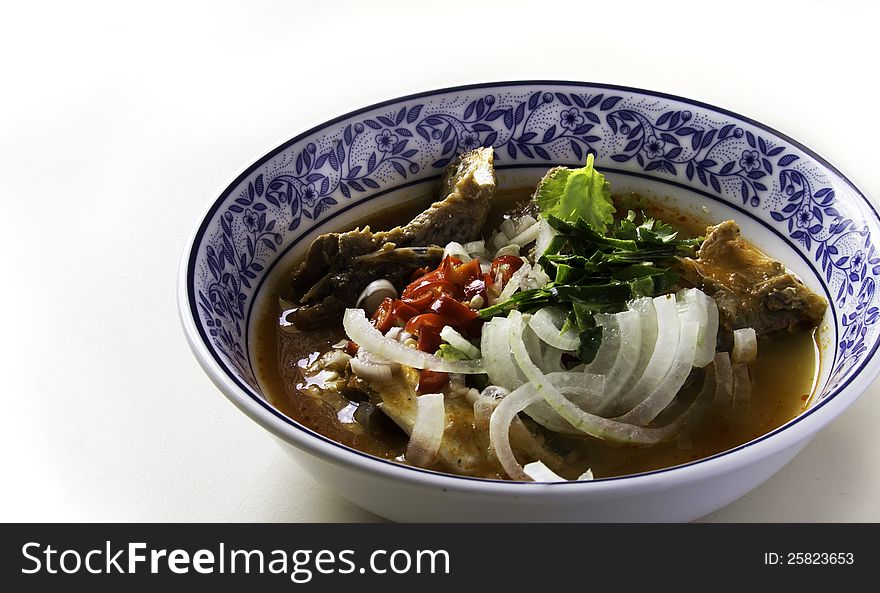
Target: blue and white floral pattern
729, 158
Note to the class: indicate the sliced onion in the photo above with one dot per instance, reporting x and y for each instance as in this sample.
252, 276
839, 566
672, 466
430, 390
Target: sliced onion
508, 228
543, 414
362, 332
545, 237
547, 324
534, 345
484, 403
577, 381
706, 348
694, 306
669, 386
527, 236
497, 360
374, 293
539, 472
596, 426
499, 429
609, 346
456, 250
508, 249
712, 322
427, 432
457, 384
371, 358
335, 360
536, 278
648, 322
494, 392
483, 409
512, 227
476, 249
459, 342
583, 389
515, 282
551, 360
745, 345
498, 240
742, 385
665, 348
374, 373
709, 391
628, 356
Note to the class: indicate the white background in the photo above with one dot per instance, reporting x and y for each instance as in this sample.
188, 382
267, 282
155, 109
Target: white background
118, 124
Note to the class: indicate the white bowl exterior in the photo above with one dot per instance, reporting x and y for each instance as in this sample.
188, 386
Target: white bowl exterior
668, 501
279, 203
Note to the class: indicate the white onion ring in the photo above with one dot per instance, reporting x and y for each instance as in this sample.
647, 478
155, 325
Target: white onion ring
427, 432
547, 323
628, 356
745, 345
596, 426
499, 429
539, 472
668, 329
671, 384
362, 332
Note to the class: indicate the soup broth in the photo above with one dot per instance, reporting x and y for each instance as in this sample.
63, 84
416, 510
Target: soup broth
776, 398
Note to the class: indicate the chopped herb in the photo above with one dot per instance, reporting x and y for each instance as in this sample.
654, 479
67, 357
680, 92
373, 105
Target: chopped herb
591, 339
596, 265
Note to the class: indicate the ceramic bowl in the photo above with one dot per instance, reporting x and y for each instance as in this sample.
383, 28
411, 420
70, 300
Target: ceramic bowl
788, 200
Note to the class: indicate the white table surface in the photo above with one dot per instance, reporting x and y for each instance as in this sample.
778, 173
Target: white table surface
119, 124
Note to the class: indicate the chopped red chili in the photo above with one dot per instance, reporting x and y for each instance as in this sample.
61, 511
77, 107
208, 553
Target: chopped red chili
456, 315
432, 301
505, 265
383, 319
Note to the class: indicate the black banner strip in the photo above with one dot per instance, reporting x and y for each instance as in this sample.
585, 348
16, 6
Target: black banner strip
278, 557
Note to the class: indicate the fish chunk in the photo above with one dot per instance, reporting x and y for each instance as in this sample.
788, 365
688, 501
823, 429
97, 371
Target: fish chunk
751, 289
331, 294
464, 448
329, 278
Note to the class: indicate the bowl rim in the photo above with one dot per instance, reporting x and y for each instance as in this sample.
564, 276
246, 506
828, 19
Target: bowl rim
799, 429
